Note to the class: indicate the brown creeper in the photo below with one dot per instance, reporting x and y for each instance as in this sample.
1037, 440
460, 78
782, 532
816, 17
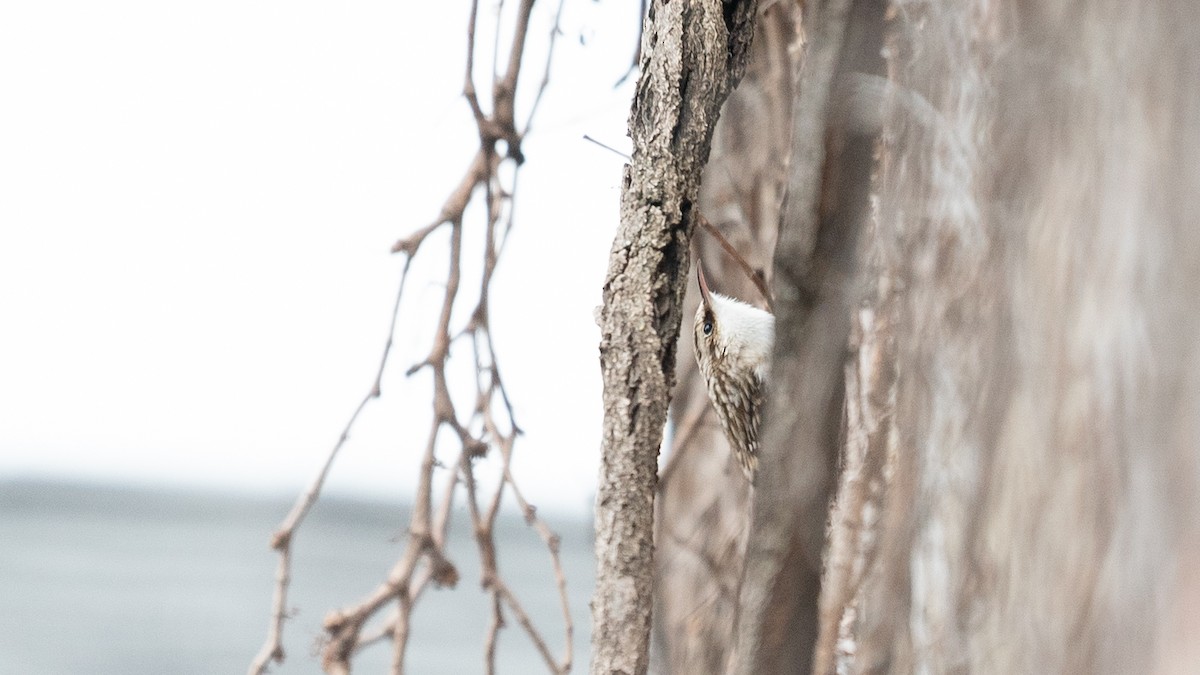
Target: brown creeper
733, 349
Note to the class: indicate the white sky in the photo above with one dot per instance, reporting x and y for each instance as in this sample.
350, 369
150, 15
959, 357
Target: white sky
197, 202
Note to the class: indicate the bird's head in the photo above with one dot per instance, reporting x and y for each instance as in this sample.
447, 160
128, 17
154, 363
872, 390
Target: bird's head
731, 335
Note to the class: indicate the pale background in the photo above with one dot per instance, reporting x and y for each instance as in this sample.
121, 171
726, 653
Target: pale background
197, 202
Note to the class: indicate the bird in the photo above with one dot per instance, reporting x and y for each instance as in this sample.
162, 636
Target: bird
733, 349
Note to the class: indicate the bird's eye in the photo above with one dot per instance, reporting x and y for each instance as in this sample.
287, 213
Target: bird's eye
708, 328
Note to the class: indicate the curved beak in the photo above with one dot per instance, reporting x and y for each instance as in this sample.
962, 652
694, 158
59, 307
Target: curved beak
706, 298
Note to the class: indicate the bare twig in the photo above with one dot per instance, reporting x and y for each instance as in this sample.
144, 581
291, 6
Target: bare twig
424, 560
637, 50
281, 541
755, 278
606, 147
685, 432
554, 33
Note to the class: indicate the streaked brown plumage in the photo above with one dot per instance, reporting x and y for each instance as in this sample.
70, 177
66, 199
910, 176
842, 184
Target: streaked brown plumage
733, 349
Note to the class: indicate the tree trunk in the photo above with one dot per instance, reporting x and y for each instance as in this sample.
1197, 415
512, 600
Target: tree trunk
692, 55
815, 262
993, 363
1019, 490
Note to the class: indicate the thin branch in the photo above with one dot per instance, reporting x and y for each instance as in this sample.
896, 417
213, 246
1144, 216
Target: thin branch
686, 431
539, 642
424, 560
607, 147
496, 41
552, 543
489, 645
545, 83
272, 649
469, 79
637, 49
400, 633
755, 278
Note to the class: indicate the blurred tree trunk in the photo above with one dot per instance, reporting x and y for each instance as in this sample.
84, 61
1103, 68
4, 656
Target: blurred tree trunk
816, 263
1019, 486
986, 351
703, 502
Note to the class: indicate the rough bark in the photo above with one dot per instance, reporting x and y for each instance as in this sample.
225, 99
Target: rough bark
692, 55
1028, 501
703, 501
